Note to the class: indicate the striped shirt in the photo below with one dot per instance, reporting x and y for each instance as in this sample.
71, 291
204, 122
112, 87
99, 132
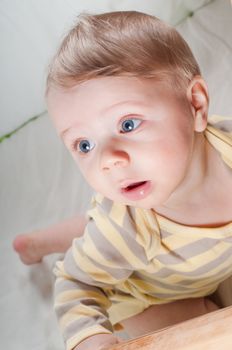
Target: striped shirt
130, 258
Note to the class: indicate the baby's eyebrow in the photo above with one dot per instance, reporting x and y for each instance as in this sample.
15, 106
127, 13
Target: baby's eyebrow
121, 104
62, 134
67, 130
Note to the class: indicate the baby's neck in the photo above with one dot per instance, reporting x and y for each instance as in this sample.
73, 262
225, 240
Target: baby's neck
206, 201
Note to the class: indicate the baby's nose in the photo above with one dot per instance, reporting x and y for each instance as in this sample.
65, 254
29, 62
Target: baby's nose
114, 158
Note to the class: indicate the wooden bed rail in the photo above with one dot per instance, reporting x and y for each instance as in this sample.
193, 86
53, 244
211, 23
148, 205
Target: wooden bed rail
212, 331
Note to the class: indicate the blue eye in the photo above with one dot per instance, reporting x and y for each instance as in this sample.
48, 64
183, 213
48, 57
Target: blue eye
129, 125
85, 146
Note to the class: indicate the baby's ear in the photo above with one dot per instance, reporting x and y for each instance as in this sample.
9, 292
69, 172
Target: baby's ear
197, 95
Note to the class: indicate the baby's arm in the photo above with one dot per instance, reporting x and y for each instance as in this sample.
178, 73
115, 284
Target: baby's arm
90, 268
33, 246
81, 305
102, 259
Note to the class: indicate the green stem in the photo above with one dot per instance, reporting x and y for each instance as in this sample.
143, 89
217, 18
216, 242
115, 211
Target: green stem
6, 136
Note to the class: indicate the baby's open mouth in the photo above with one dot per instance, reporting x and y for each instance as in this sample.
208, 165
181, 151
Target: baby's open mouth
135, 191
133, 186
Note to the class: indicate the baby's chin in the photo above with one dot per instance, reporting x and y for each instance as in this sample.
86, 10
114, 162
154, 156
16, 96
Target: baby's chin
142, 204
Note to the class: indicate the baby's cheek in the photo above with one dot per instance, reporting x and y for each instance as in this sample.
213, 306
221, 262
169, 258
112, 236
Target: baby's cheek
169, 158
92, 178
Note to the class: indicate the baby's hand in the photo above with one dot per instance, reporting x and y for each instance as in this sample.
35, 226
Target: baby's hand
98, 342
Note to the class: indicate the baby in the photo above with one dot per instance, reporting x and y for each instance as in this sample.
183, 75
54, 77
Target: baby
126, 95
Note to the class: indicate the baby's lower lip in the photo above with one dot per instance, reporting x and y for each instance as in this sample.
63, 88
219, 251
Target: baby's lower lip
137, 192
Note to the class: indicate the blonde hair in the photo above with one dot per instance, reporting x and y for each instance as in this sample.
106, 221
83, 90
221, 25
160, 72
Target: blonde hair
122, 43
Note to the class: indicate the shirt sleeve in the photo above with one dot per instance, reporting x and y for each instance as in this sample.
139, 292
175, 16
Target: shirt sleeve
104, 256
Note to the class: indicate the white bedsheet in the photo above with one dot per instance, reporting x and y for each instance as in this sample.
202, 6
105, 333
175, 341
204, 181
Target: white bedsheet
41, 185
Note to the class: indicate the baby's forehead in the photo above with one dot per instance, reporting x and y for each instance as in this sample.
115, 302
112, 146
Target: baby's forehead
115, 85
101, 94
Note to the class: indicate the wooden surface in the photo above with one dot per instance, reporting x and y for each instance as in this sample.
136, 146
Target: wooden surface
212, 331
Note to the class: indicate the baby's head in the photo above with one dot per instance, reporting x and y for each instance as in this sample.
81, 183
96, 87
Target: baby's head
126, 96
122, 44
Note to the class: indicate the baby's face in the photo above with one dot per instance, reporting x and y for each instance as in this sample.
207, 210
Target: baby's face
132, 139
